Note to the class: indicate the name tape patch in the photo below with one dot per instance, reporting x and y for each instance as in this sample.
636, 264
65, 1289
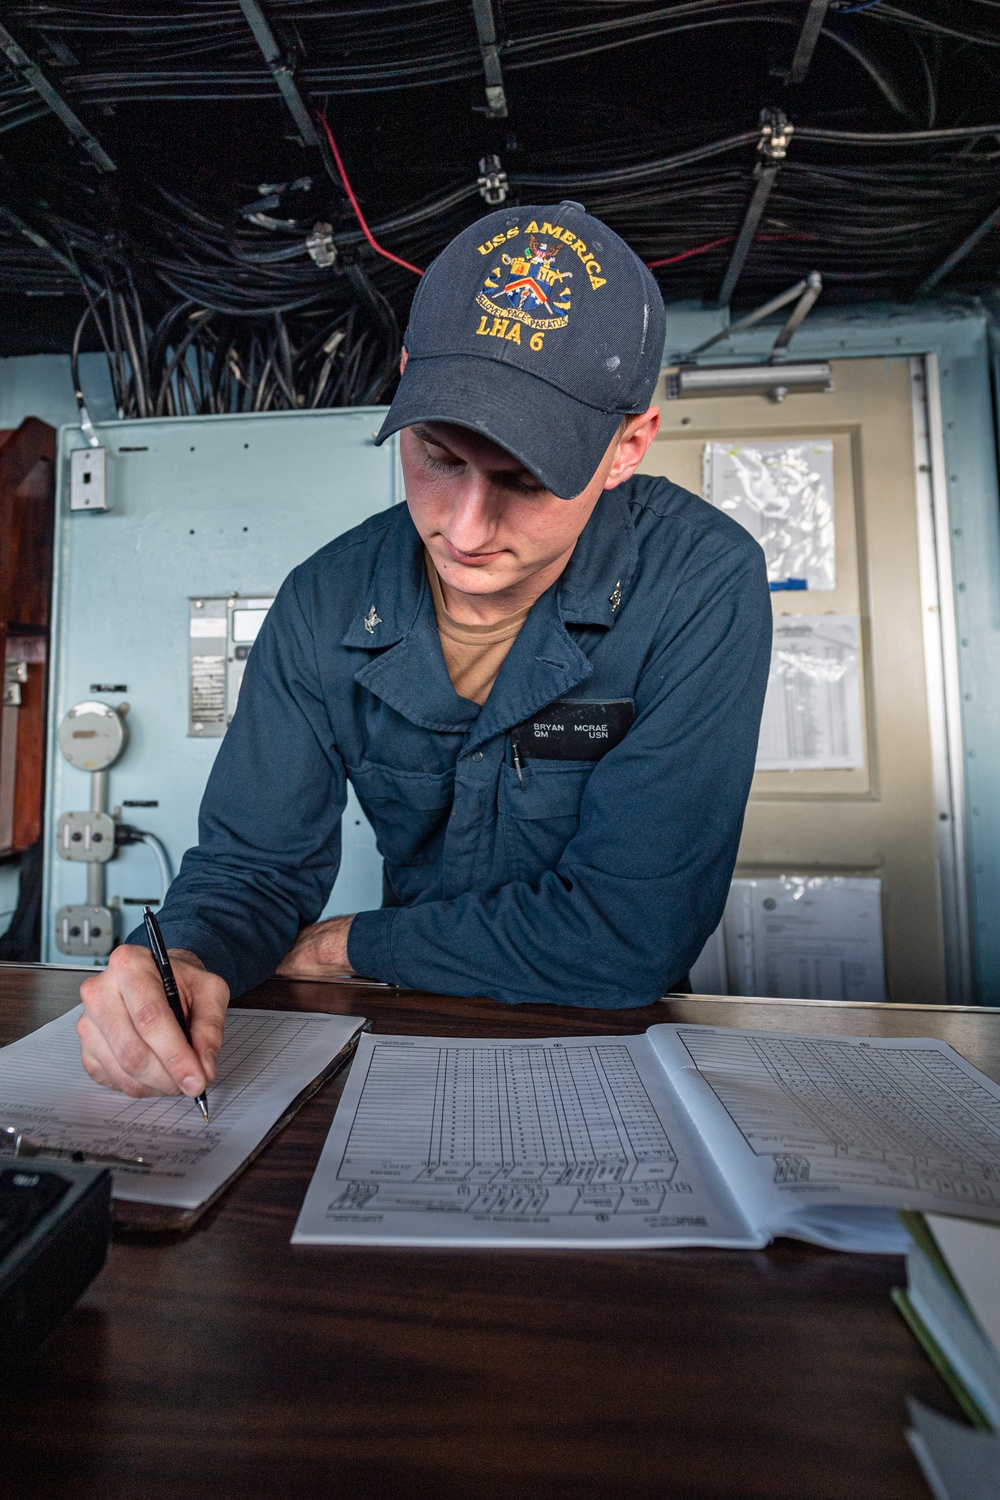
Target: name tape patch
574, 730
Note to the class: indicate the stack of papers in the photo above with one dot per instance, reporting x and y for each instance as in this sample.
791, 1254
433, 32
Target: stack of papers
952, 1304
958, 1463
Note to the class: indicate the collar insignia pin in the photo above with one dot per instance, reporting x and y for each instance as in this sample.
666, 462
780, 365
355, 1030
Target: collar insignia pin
371, 620
615, 597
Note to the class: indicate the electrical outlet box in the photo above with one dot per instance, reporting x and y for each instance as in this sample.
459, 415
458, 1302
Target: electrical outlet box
86, 931
86, 836
88, 479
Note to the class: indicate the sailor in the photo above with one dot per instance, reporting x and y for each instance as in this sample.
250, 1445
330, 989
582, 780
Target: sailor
543, 676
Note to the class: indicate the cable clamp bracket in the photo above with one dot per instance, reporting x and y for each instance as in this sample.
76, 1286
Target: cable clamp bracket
776, 132
320, 245
492, 181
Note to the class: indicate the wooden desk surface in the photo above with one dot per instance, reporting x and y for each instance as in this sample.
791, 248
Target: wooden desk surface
229, 1364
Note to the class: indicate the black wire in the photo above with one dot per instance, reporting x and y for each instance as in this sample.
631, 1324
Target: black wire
272, 330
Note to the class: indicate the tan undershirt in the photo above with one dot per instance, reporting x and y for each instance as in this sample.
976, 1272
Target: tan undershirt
473, 654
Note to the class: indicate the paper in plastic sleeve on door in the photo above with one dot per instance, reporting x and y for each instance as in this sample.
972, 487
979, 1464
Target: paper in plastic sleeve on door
805, 937
812, 711
782, 493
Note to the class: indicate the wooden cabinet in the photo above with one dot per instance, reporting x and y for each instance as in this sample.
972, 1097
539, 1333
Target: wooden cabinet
27, 457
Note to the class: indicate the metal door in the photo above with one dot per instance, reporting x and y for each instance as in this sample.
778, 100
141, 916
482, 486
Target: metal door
897, 816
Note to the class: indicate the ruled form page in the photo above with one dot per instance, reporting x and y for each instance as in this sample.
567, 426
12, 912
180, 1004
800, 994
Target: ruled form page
268, 1058
571, 1141
829, 1135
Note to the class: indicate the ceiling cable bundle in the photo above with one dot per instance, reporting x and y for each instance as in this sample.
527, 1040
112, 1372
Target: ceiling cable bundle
197, 361
216, 320
276, 273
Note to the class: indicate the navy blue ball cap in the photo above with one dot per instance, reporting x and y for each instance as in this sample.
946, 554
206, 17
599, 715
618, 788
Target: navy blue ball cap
540, 329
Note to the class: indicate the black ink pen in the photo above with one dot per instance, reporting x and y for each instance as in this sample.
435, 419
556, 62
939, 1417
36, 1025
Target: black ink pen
518, 763
173, 994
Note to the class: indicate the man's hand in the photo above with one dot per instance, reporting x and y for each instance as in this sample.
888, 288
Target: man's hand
320, 951
129, 1039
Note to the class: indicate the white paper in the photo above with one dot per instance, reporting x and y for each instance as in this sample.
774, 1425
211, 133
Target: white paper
806, 937
782, 492
812, 710
268, 1057
973, 1254
816, 1124
575, 1141
958, 1462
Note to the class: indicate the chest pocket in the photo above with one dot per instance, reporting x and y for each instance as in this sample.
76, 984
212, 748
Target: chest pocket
539, 821
407, 809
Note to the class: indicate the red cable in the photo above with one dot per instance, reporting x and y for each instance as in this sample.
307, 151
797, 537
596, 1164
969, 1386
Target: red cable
672, 260
357, 209
727, 239
653, 265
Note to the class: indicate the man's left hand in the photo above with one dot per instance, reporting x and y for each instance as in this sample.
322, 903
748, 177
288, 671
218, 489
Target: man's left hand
320, 951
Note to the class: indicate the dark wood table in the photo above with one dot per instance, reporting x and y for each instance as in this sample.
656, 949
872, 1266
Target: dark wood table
230, 1364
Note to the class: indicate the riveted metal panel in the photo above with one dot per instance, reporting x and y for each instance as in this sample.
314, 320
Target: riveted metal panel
200, 506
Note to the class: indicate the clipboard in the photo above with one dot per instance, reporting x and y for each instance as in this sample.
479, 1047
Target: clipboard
169, 1165
160, 1218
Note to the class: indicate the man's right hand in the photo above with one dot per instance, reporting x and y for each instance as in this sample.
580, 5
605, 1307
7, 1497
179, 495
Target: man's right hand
129, 1039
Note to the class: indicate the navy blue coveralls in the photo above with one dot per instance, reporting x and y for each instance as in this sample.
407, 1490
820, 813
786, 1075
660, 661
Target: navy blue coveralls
596, 884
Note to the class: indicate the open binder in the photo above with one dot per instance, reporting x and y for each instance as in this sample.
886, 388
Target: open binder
687, 1135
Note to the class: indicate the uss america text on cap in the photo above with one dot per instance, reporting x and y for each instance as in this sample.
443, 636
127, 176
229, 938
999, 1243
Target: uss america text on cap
539, 328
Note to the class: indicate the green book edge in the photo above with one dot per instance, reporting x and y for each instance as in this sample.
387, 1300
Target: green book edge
919, 1231
938, 1358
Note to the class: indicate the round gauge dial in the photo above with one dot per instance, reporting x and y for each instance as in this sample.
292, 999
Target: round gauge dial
91, 736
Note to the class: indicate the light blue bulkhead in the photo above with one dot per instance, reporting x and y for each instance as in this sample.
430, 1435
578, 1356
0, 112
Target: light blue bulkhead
199, 506
123, 580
